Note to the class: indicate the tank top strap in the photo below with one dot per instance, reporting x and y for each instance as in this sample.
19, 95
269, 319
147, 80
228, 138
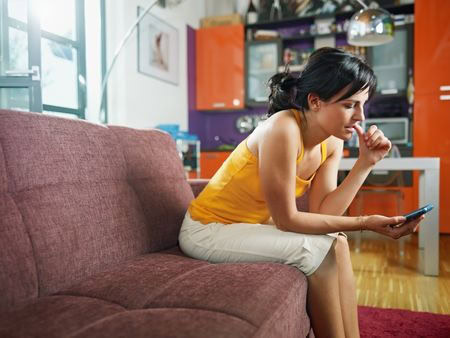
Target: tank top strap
323, 147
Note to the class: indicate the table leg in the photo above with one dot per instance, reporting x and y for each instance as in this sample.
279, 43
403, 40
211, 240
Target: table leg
429, 193
422, 202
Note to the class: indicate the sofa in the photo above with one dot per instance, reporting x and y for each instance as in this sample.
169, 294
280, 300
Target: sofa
89, 221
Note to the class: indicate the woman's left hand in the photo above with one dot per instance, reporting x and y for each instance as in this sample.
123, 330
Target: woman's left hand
373, 145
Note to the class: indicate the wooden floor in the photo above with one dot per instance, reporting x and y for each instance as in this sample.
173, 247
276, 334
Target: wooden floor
387, 279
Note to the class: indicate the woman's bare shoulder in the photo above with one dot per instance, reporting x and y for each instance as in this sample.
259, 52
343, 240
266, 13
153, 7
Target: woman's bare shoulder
334, 145
280, 125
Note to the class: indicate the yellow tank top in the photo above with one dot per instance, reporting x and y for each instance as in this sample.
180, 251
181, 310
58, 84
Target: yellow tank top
233, 195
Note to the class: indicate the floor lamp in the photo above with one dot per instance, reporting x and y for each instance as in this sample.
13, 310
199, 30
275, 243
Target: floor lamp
169, 3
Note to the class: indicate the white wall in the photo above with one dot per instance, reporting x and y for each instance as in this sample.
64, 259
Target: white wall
137, 100
93, 59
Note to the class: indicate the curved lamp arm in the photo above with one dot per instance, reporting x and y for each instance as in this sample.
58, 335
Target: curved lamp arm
119, 49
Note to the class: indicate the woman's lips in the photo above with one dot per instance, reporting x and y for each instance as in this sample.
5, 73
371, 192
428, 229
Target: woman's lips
350, 129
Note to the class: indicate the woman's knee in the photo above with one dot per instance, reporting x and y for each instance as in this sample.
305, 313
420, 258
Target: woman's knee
343, 257
342, 248
329, 263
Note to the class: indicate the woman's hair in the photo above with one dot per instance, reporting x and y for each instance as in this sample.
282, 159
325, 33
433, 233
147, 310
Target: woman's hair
327, 72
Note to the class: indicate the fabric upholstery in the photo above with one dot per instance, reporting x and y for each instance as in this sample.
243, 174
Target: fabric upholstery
197, 185
89, 221
55, 316
84, 195
197, 298
156, 174
18, 276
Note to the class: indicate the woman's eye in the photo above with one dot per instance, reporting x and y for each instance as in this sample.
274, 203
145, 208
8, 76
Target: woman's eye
349, 106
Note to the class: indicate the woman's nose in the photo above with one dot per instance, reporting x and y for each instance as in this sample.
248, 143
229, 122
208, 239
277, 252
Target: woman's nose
359, 114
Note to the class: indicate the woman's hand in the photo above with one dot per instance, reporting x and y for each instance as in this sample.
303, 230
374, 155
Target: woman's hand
373, 145
394, 227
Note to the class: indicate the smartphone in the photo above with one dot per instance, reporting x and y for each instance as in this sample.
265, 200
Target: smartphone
419, 212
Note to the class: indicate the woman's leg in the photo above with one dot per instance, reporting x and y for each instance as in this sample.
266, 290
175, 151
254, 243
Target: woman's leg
347, 288
324, 305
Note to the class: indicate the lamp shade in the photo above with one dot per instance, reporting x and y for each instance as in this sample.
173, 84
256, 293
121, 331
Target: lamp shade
370, 27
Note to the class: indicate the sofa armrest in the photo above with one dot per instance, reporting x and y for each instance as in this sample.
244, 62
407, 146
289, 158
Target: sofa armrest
197, 185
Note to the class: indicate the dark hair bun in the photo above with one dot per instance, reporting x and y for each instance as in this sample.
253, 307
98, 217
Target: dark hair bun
283, 88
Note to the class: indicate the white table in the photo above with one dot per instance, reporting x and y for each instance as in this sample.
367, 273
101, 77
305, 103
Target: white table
428, 193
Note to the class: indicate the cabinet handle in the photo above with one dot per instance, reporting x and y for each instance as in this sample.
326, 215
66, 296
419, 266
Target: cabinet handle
389, 91
444, 97
218, 105
444, 88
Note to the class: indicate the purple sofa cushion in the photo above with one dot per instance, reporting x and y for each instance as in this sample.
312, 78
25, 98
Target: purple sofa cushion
166, 294
18, 277
55, 316
78, 197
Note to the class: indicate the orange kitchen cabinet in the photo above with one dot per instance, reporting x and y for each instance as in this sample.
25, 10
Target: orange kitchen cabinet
431, 107
432, 45
210, 162
432, 139
220, 67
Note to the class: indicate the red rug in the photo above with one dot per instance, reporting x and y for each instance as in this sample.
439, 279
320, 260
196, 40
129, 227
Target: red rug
377, 322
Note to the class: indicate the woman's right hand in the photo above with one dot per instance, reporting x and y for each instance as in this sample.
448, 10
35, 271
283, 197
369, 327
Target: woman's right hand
394, 227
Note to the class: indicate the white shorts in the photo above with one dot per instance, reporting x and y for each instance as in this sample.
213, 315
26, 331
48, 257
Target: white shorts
244, 242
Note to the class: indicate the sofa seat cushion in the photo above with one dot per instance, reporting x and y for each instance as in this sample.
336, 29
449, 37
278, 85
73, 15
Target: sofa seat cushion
168, 294
55, 316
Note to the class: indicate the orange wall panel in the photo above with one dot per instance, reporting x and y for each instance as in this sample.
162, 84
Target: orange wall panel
431, 135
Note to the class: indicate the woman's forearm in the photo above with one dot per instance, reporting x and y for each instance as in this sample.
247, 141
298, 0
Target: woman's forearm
311, 223
336, 202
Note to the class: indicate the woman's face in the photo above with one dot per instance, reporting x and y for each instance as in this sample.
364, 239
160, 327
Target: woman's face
337, 118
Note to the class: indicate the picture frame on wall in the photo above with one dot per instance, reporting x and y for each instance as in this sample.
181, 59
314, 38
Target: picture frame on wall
157, 48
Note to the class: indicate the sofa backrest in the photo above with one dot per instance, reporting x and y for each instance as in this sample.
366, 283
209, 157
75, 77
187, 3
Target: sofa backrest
77, 197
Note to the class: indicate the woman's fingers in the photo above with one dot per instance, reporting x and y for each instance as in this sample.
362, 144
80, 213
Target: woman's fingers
369, 133
395, 220
375, 138
407, 227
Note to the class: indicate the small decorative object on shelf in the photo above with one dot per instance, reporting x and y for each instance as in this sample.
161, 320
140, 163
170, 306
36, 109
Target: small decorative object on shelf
252, 13
275, 11
266, 34
355, 50
188, 147
244, 124
290, 56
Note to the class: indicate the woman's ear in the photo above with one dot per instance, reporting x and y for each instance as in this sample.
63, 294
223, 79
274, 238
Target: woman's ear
314, 102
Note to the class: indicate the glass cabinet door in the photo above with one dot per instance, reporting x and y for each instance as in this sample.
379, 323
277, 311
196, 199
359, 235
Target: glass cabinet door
262, 61
391, 63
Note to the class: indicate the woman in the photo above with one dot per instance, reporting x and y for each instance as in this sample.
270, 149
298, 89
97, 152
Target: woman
248, 213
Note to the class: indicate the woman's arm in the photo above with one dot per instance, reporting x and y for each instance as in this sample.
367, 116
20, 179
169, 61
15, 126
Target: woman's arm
325, 197
277, 153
